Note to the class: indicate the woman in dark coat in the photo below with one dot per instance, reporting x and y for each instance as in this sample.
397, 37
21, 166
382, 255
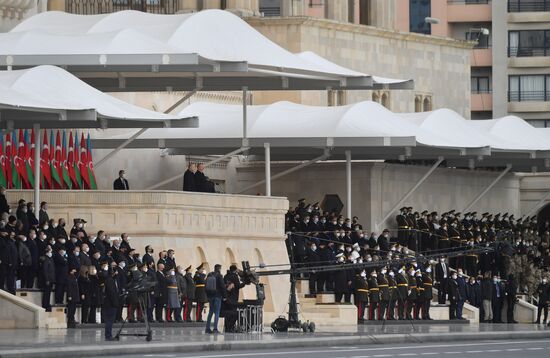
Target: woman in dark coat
73, 297
200, 292
85, 294
96, 296
182, 291
188, 300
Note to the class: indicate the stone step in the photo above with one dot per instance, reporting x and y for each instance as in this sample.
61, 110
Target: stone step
325, 298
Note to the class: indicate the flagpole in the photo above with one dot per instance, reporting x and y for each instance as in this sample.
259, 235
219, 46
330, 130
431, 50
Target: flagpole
37, 147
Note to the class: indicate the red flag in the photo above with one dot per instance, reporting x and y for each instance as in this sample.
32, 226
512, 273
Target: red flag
19, 161
83, 163
57, 170
71, 161
8, 160
45, 163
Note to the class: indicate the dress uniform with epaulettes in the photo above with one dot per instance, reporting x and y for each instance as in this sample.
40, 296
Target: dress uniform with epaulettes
392, 286
374, 297
361, 296
383, 285
402, 294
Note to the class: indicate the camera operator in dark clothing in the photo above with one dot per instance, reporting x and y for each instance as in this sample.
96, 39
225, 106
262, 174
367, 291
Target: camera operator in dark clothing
233, 285
110, 301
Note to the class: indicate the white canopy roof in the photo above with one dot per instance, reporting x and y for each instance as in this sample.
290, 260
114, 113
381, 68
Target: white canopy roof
24, 94
367, 128
213, 40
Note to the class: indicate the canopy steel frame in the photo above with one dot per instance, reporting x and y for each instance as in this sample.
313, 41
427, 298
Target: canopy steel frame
267, 169
489, 187
348, 183
538, 204
207, 164
325, 155
411, 190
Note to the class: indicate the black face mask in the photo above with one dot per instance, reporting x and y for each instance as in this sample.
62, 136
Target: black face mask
63, 225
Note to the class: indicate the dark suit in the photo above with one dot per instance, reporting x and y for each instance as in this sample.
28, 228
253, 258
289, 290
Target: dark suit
441, 276
110, 304
121, 184
4, 207
189, 181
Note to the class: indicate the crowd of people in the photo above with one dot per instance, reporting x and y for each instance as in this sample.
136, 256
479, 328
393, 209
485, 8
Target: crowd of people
427, 250
95, 271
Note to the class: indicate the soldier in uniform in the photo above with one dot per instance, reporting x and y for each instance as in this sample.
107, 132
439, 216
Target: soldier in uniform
402, 292
443, 237
454, 237
402, 227
383, 285
454, 295
200, 291
412, 293
419, 294
470, 261
374, 295
427, 283
424, 231
173, 306
392, 285
361, 297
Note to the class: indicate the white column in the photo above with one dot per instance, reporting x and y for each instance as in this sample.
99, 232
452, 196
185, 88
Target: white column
37, 148
348, 183
267, 169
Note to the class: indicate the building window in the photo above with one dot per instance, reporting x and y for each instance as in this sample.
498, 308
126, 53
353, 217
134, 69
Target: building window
375, 97
528, 43
481, 85
270, 7
528, 5
316, 3
540, 123
419, 10
482, 41
427, 105
528, 88
418, 104
364, 12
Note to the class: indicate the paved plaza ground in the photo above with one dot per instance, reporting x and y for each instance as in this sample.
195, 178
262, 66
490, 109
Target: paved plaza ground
175, 341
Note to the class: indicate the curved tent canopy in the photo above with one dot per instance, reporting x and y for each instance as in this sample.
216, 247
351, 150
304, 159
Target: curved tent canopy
53, 98
371, 131
211, 43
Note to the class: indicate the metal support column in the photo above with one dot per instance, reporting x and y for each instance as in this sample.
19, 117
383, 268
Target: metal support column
486, 190
212, 162
412, 190
37, 147
348, 184
288, 171
245, 114
267, 169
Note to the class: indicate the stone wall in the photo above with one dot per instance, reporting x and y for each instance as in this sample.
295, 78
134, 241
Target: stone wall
377, 187
433, 62
210, 228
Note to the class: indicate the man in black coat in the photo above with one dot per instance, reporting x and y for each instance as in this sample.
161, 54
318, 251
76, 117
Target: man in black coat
498, 298
110, 303
511, 290
9, 258
47, 279
61, 274
233, 284
313, 260
147, 259
200, 179
121, 183
543, 292
43, 216
189, 183
4, 207
73, 297
160, 292
441, 277
454, 295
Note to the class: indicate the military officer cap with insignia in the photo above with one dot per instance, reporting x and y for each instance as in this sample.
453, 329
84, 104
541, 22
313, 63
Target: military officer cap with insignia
188, 268
200, 267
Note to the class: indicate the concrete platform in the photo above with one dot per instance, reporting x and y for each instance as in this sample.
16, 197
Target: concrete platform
89, 342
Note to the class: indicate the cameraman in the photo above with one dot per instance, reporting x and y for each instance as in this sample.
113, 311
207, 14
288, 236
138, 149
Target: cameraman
233, 284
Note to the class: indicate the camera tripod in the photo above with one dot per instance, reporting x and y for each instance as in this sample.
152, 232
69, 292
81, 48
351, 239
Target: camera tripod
148, 332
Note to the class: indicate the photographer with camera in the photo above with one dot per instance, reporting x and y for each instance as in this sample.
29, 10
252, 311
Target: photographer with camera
233, 285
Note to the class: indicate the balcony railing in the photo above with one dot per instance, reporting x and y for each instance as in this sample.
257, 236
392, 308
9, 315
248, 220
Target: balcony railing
528, 6
468, 2
525, 96
270, 11
528, 51
91, 7
481, 91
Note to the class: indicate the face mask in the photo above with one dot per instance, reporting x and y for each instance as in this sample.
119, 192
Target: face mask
334, 223
348, 249
24, 239
24, 210
340, 259
340, 222
383, 272
74, 240
77, 253
544, 281
62, 253
49, 254
369, 259
428, 270
313, 247
495, 280
145, 269
374, 275
62, 241
122, 264
455, 277
172, 273
363, 274
392, 274
323, 221
316, 220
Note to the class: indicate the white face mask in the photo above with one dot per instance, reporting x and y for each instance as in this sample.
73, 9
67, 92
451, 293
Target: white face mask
77, 253
62, 241
122, 264
383, 272
374, 275
172, 273
49, 254
46, 227
428, 270
455, 277
106, 268
363, 274
80, 226
391, 274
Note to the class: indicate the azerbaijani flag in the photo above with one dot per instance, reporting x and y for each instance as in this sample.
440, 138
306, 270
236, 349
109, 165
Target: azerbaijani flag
3, 158
29, 157
55, 165
78, 177
64, 166
16, 181
83, 163
45, 163
91, 174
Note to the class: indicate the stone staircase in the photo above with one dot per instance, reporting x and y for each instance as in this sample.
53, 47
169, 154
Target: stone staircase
322, 309
20, 312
